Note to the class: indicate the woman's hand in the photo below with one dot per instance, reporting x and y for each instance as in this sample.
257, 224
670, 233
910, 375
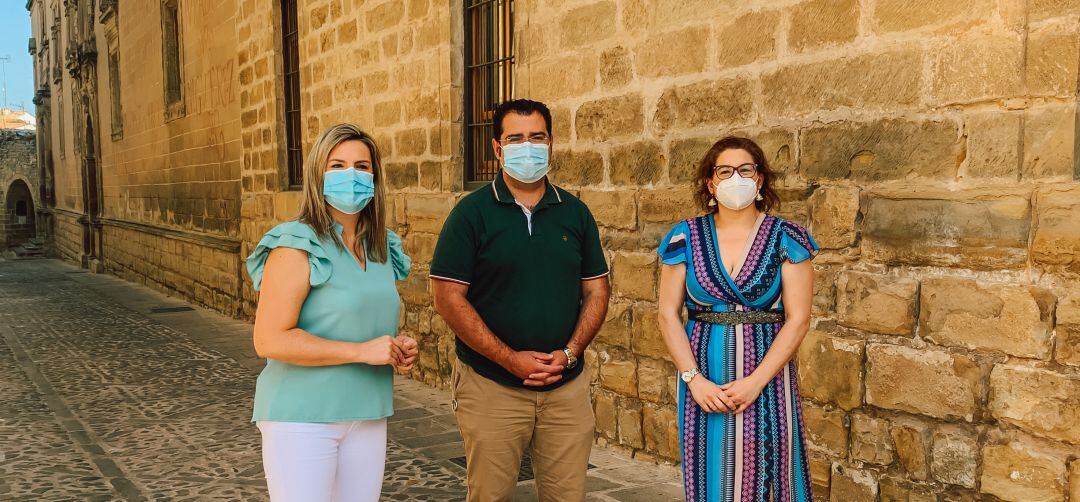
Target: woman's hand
380, 351
709, 396
409, 350
743, 392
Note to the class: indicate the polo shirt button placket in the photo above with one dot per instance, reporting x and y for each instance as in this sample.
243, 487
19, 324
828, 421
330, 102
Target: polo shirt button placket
542, 289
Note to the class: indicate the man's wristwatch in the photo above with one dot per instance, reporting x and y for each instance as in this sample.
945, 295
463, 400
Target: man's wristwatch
689, 375
571, 359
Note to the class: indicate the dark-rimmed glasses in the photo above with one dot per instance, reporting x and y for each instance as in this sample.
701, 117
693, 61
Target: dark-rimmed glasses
517, 139
724, 172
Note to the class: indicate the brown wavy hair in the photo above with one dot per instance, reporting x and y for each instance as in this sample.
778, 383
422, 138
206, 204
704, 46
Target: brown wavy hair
705, 173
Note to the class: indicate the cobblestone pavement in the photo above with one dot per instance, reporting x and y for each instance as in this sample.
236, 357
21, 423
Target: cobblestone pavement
111, 391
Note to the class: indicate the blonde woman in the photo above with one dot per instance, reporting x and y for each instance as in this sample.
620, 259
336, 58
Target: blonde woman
327, 323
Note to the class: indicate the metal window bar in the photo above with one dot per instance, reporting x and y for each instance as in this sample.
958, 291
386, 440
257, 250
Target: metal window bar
290, 58
489, 60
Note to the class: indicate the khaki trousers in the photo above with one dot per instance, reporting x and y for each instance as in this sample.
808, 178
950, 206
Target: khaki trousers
498, 422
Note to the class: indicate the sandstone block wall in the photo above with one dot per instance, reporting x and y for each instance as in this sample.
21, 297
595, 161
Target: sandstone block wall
177, 179
390, 67
170, 185
930, 149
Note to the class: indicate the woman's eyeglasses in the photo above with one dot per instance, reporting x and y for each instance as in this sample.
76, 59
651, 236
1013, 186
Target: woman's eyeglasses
725, 172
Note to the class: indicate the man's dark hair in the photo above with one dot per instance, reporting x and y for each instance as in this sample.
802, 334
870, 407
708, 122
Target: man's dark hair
520, 107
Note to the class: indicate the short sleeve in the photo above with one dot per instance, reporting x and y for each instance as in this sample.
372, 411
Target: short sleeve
593, 263
398, 259
291, 234
455, 252
673, 247
796, 244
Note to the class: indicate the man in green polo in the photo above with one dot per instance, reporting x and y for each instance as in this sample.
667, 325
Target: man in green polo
519, 275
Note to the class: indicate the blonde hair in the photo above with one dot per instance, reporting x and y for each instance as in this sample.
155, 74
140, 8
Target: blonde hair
371, 228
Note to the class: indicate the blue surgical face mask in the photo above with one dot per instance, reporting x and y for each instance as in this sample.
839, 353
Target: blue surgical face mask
348, 190
526, 162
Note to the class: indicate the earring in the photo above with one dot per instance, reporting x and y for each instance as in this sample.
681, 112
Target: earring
759, 197
712, 202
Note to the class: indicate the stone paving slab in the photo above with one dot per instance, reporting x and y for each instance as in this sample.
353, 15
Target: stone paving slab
112, 391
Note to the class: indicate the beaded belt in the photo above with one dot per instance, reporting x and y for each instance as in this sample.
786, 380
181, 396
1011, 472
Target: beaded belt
738, 316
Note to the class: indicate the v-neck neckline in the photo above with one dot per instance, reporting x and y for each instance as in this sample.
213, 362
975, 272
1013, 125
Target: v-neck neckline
356, 259
747, 246
349, 251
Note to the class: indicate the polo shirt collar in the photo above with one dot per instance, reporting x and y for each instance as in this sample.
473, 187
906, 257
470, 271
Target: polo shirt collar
502, 192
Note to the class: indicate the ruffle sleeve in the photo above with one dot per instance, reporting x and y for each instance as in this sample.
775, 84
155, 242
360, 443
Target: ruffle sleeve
673, 248
401, 261
296, 235
796, 244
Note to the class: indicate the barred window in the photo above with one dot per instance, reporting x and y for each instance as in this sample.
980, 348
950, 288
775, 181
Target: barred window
290, 62
114, 94
171, 58
489, 59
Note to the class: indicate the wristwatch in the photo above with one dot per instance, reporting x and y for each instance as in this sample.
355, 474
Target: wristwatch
689, 374
571, 359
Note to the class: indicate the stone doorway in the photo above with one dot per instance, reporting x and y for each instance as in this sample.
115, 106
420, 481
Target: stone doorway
17, 222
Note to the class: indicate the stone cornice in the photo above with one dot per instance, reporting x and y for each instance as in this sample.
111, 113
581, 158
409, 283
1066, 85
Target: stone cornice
231, 245
41, 96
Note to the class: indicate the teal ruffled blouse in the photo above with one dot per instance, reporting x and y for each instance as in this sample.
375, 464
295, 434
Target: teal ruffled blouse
346, 302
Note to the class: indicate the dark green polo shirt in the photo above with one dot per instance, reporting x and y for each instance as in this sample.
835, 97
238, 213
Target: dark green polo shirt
525, 285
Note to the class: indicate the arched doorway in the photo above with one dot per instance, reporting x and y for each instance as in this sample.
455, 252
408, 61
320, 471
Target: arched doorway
19, 214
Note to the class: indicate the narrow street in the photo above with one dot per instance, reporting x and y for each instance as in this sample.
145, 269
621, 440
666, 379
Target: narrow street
111, 391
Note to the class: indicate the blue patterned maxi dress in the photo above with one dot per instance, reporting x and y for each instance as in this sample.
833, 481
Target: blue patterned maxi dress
760, 452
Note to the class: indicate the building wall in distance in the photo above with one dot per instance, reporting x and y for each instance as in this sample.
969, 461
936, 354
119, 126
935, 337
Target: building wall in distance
19, 180
170, 184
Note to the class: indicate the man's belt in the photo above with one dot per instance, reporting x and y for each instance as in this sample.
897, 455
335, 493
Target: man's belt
738, 316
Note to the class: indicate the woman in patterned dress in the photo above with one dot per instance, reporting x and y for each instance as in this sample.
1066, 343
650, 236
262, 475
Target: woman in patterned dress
747, 283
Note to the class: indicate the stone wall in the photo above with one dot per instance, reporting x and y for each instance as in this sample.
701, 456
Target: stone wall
929, 146
171, 186
930, 149
67, 237
19, 180
179, 173
170, 182
388, 67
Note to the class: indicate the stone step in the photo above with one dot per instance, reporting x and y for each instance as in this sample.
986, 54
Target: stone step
22, 253
28, 249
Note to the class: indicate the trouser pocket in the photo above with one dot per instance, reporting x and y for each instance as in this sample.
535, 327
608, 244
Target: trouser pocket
455, 384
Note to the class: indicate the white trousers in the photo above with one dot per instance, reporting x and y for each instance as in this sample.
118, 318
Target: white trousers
324, 462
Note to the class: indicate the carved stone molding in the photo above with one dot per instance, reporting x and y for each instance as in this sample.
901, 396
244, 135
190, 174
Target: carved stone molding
41, 96
107, 10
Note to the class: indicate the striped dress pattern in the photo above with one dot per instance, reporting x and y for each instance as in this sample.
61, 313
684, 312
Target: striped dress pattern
760, 454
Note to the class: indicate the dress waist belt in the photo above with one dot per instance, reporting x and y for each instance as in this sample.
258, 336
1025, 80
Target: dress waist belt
738, 316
